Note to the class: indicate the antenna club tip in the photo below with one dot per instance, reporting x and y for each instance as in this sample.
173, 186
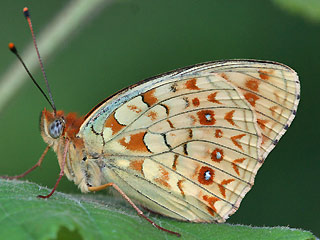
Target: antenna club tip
12, 47
26, 12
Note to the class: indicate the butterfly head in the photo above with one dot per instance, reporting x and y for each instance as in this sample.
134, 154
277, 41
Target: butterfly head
55, 127
52, 126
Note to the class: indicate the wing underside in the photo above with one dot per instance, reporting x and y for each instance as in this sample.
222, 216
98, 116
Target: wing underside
189, 144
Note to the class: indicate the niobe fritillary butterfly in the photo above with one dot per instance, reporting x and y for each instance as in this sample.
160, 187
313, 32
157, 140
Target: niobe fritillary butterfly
186, 144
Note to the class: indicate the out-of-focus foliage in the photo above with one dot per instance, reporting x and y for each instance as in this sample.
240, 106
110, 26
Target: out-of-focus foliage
309, 9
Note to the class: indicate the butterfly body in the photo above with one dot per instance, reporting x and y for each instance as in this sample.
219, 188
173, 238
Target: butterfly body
186, 144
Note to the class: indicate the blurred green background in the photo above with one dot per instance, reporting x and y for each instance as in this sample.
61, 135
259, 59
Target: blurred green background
128, 41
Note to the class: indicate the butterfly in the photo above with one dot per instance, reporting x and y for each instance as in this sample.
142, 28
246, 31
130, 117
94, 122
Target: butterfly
186, 144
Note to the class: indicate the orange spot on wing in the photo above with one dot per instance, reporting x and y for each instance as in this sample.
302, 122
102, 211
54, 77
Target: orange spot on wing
149, 98
212, 98
134, 108
252, 84
229, 116
277, 96
193, 118
179, 184
137, 165
273, 110
262, 123
112, 123
196, 102
264, 75
190, 133
222, 186
153, 115
211, 201
218, 133
170, 123
251, 98
223, 75
214, 155
235, 140
164, 178
206, 117
196, 171
235, 166
192, 84
135, 142
264, 139
201, 176
175, 162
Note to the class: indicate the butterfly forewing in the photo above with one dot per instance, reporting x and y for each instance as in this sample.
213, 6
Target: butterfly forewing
188, 144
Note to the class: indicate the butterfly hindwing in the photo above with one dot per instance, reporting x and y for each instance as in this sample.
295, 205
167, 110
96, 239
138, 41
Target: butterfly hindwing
273, 91
188, 144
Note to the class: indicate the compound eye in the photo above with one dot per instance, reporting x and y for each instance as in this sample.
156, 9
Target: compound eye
56, 128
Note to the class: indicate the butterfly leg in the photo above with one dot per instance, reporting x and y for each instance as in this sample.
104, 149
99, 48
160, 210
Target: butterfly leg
140, 213
31, 169
61, 170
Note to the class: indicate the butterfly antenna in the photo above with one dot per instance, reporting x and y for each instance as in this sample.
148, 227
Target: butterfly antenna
13, 49
27, 16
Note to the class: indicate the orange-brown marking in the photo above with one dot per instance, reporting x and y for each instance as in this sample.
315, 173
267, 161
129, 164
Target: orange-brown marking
112, 123
170, 123
235, 166
149, 98
179, 184
223, 75
212, 211
196, 102
166, 108
134, 108
212, 98
273, 110
196, 170
175, 162
153, 115
206, 117
135, 142
251, 98
264, 75
214, 155
235, 140
163, 180
137, 165
277, 96
218, 133
264, 139
222, 186
193, 118
252, 84
229, 116
262, 123
211, 201
192, 84
201, 176
190, 133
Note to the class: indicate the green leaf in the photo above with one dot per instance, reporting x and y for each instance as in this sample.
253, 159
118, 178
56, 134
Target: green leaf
94, 216
309, 9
